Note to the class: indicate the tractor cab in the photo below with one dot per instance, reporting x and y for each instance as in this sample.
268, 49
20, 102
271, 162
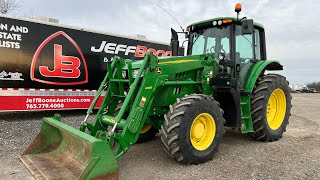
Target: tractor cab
235, 43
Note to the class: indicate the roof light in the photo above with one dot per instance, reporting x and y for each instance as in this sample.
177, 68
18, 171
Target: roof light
237, 9
214, 23
226, 21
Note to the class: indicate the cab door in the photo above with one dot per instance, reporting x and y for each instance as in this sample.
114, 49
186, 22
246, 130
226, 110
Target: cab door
248, 51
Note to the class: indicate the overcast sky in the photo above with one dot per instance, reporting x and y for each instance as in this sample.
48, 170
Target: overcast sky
292, 27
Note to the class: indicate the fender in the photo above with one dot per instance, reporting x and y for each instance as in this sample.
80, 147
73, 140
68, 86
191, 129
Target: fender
257, 69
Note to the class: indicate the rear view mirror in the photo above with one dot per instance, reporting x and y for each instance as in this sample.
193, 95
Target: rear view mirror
247, 26
174, 43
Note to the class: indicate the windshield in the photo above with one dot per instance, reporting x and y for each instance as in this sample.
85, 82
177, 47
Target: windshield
211, 40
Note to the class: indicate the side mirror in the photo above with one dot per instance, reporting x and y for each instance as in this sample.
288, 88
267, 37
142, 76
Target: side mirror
247, 26
174, 43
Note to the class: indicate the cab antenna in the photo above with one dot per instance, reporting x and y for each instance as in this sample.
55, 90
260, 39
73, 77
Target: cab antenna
169, 15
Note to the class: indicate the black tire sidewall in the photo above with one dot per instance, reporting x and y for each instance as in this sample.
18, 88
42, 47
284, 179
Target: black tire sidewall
277, 83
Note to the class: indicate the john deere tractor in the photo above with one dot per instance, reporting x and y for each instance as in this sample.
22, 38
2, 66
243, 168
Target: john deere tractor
221, 82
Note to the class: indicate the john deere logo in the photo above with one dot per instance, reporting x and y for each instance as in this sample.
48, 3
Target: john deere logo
159, 70
59, 60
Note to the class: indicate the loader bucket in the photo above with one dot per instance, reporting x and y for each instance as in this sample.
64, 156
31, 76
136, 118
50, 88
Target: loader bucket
60, 151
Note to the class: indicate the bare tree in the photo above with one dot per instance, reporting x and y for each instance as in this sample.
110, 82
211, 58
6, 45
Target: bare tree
7, 6
315, 85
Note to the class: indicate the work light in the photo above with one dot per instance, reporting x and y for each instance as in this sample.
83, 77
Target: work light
214, 23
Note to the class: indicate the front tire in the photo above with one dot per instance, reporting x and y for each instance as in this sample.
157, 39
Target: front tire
147, 133
193, 129
270, 107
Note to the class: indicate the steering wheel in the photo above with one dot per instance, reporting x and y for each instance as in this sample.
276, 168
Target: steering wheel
213, 48
212, 51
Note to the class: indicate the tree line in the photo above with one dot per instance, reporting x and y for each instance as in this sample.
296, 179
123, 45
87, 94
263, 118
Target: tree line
8, 6
315, 85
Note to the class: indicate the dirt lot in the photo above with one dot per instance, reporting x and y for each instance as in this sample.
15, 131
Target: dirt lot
295, 156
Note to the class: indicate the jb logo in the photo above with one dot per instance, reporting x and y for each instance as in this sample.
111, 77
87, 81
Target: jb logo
64, 66
52, 65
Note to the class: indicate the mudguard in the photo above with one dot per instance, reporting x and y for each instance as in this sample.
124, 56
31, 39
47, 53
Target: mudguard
257, 69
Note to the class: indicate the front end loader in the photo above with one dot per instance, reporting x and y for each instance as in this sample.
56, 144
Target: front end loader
221, 82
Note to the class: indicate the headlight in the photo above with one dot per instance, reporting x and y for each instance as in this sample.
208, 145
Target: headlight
124, 74
219, 22
135, 72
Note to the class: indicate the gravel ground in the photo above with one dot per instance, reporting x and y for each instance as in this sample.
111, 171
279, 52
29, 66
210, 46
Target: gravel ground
295, 156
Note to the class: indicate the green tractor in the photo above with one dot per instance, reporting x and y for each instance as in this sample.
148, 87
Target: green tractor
220, 83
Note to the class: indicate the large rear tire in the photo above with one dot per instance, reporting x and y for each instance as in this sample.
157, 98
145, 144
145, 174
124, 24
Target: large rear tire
193, 129
270, 107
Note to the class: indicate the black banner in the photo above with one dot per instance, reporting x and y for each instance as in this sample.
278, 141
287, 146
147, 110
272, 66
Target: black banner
38, 55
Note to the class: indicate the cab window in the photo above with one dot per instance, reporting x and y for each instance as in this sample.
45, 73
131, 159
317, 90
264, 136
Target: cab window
211, 40
244, 50
258, 49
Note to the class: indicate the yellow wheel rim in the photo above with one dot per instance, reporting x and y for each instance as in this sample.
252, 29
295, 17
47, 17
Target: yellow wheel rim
145, 128
202, 132
276, 109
